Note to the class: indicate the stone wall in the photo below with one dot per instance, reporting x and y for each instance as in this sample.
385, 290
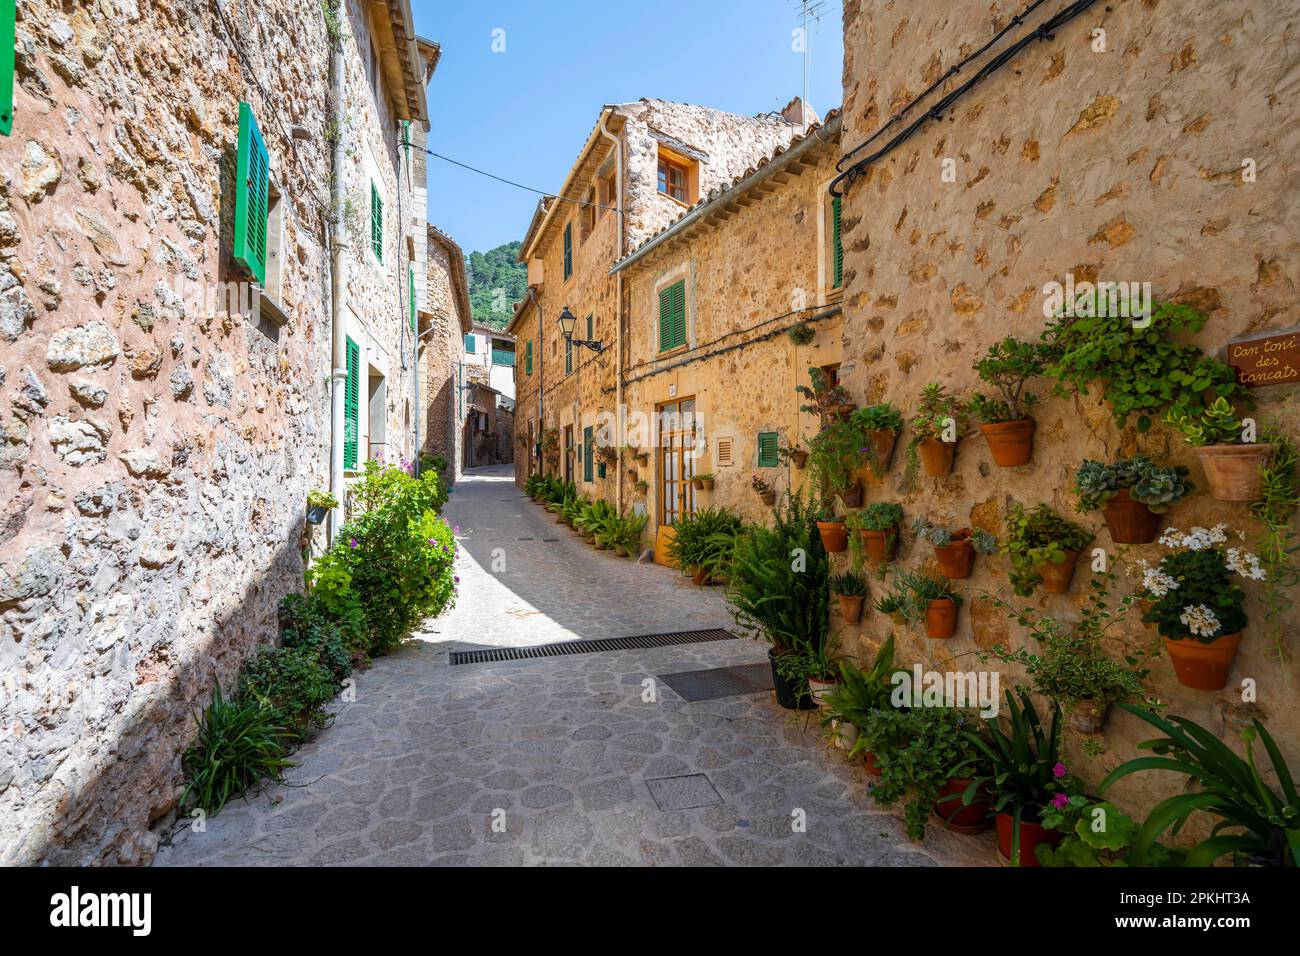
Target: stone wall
443, 348
1125, 165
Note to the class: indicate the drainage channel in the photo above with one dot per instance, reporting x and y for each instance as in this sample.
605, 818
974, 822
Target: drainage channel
564, 648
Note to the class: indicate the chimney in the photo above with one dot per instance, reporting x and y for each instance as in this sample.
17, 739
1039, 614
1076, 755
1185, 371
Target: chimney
794, 113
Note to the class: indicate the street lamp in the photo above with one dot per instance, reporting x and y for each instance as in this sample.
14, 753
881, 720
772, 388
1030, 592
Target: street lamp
567, 320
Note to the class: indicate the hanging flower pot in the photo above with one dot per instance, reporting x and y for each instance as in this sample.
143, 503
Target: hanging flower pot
1203, 666
697, 484
768, 497
1088, 716
955, 560
851, 607
873, 766
941, 618
840, 412
800, 457
1233, 471
1129, 521
1010, 443
1031, 834
834, 538
1057, 577
852, 495
707, 483
957, 817
880, 544
936, 456
881, 442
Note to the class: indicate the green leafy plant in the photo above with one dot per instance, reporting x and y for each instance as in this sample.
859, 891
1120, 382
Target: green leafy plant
1096, 834
1036, 537
1257, 823
333, 626
238, 746
823, 399
1191, 593
1142, 369
1276, 508
860, 692
1159, 488
936, 410
942, 537
878, 516
1007, 366
321, 499
627, 532
292, 683
835, 455
642, 486
801, 333
1215, 424
848, 584
879, 417
705, 539
1025, 772
704, 476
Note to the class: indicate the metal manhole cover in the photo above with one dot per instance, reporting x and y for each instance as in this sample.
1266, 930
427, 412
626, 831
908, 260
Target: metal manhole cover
683, 793
715, 682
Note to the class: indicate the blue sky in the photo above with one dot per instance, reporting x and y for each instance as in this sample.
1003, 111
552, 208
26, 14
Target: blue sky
524, 113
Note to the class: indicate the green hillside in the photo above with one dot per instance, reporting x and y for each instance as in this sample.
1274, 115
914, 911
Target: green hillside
496, 282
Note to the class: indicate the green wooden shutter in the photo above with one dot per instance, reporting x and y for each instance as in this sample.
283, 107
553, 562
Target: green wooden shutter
672, 316
376, 223
410, 292
528, 357
8, 13
406, 139
767, 446
469, 343
588, 443
568, 250
351, 392
568, 356
591, 327
838, 247
252, 194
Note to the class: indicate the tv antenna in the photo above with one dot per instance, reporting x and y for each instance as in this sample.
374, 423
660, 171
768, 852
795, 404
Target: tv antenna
809, 10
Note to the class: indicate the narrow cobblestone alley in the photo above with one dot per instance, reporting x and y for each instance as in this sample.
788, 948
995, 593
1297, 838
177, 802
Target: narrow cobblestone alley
561, 753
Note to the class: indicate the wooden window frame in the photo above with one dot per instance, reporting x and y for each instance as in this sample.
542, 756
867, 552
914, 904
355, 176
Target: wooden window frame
663, 180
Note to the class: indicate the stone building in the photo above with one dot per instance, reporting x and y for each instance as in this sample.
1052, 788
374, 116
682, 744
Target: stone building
449, 320
711, 367
641, 167
1137, 143
170, 282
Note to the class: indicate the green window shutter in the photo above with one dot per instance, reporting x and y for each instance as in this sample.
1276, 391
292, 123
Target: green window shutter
351, 391
8, 13
587, 455
528, 357
410, 292
838, 247
591, 327
376, 223
252, 194
672, 316
568, 356
406, 139
469, 344
767, 454
568, 250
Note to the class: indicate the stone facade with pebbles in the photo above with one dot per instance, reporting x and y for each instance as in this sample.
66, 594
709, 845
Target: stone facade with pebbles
450, 320
157, 444
1122, 164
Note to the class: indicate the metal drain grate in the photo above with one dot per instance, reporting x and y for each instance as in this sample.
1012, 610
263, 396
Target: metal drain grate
565, 648
715, 682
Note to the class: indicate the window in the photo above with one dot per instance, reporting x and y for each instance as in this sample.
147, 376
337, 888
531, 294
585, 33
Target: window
528, 357
469, 343
568, 250
588, 443
350, 395
376, 222
410, 292
674, 179
672, 316
591, 327
767, 446
503, 352
724, 452
608, 194
588, 215
837, 246
252, 195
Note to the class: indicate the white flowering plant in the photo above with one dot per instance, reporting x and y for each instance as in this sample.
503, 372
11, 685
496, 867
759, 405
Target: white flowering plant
1193, 593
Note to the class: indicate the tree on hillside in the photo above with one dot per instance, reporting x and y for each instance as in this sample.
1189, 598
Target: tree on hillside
496, 282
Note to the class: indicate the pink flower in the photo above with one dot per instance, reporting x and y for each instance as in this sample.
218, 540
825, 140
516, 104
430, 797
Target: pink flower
1059, 771
352, 542
1060, 800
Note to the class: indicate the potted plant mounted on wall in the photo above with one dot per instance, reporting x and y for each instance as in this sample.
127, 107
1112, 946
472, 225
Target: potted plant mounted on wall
1004, 418
703, 481
835, 457
936, 429
794, 455
1043, 548
933, 599
851, 589
954, 551
319, 503
1132, 494
765, 492
877, 526
830, 403
1233, 467
1195, 602
879, 424
834, 538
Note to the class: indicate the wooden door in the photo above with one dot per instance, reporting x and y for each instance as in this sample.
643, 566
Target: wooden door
676, 460
568, 453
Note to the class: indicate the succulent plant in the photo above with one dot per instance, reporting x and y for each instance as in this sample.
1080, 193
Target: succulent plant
1157, 487
984, 542
1161, 488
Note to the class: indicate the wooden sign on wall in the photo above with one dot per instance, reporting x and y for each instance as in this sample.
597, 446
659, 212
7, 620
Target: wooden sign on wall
1269, 359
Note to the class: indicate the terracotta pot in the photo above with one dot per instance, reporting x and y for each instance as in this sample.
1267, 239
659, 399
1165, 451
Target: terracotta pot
1203, 666
800, 458
769, 498
1088, 717
955, 560
1057, 577
936, 456
941, 618
840, 413
708, 483
1031, 834
851, 496
899, 618
881, 441
834, 538
869, 761
880, 544
851, 607
1129, 521
1232, 471
699, 575
960, 818
697, 484
620, 551
1010, 443
819, 689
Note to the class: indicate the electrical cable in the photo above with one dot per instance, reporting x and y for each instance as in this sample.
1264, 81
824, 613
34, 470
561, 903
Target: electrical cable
511, 182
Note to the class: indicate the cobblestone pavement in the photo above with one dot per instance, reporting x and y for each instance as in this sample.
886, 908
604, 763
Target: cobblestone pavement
561, 760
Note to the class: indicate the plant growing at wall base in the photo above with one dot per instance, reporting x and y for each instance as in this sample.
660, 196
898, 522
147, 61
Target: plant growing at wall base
1096, 834
1257, 823
292, 683
704, 541
238, 746
1043, 548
